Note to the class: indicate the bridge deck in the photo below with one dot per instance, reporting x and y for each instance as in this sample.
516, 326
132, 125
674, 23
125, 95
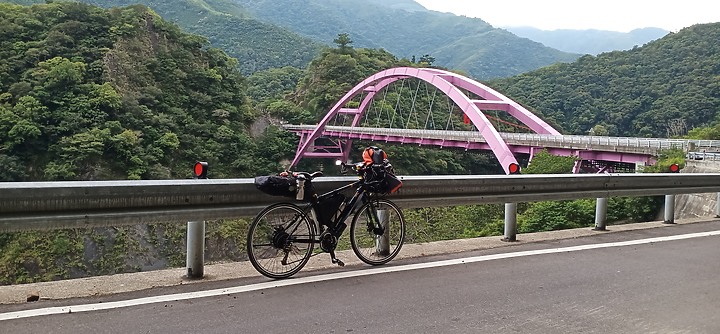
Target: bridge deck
618, 149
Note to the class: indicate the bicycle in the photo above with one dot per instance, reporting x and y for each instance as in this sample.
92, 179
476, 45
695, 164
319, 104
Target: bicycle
282, 237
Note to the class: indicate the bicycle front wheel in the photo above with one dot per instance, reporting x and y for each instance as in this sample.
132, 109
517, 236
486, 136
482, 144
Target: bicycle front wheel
280, 240
377, 231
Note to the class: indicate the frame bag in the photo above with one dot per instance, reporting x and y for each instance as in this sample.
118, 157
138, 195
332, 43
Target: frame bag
329, 208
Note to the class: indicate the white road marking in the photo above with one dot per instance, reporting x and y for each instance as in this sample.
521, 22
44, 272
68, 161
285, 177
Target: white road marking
328, 277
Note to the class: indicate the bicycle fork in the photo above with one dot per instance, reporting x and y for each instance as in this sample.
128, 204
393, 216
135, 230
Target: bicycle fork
376, 218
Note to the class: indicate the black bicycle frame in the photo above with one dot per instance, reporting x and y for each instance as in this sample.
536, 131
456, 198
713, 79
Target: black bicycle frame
335, 229
338, 226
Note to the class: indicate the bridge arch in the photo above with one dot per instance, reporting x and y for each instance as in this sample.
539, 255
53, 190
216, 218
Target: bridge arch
451, 84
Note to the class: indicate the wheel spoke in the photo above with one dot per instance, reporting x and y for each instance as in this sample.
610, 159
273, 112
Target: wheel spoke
377, 232
280, 240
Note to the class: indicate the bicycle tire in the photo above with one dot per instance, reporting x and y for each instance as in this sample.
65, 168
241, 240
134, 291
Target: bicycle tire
370, 245
276, 236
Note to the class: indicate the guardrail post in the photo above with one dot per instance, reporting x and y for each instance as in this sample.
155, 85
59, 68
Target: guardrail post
600, 214
383, 242
195, 249
195, 260
669, 209
510, 222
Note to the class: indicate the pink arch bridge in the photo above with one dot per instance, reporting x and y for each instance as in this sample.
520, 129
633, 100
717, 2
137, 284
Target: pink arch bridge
469, 95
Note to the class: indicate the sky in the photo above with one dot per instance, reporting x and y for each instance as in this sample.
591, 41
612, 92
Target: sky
613, 15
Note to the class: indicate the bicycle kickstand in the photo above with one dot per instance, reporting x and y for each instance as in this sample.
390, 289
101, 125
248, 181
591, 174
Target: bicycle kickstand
335, 260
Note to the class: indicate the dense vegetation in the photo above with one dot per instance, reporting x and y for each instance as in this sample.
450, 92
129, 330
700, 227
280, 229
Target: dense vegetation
87, 93
228, 26
661, 89
91, 94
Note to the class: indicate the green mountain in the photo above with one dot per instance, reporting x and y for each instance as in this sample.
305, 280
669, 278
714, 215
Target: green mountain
408, 5
589, 41
661, 89
90, 94
257, 45
274, 34
407, 30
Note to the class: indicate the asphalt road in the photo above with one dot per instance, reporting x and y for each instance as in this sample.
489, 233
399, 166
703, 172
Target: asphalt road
622, 282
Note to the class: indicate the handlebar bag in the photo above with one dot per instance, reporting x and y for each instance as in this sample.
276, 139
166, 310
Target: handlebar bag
392, 182
380, 179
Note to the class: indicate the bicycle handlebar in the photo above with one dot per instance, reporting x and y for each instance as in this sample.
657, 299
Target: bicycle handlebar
358, 168
304, 175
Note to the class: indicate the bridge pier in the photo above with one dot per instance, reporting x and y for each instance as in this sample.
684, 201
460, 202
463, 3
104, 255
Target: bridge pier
510, 222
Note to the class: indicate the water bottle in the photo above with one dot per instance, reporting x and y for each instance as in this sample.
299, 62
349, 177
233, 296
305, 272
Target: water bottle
301, 188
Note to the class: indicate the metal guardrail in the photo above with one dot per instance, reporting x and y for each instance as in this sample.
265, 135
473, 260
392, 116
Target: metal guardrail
53, 205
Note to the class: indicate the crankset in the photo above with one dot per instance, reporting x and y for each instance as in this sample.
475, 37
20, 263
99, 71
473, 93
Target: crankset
328, 243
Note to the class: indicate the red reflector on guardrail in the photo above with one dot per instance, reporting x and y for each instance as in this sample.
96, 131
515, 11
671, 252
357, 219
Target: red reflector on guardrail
200, 170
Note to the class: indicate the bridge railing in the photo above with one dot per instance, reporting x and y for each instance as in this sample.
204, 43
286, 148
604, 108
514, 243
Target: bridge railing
707, 156
26, 206
613, 144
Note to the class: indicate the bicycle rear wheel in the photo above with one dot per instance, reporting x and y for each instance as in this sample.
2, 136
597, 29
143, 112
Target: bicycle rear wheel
377, 231
280, 240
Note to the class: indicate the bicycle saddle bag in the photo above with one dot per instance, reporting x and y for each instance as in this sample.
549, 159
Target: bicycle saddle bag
285, 186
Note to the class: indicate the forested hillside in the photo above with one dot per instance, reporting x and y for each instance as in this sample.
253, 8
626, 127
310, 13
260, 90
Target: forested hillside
408, 5
662, 89
228, 26
405, 30
590, 41
88, 94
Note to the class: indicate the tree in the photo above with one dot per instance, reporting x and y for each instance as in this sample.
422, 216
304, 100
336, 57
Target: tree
707, 133
546, 163
599, 130
343, 42
427, 60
